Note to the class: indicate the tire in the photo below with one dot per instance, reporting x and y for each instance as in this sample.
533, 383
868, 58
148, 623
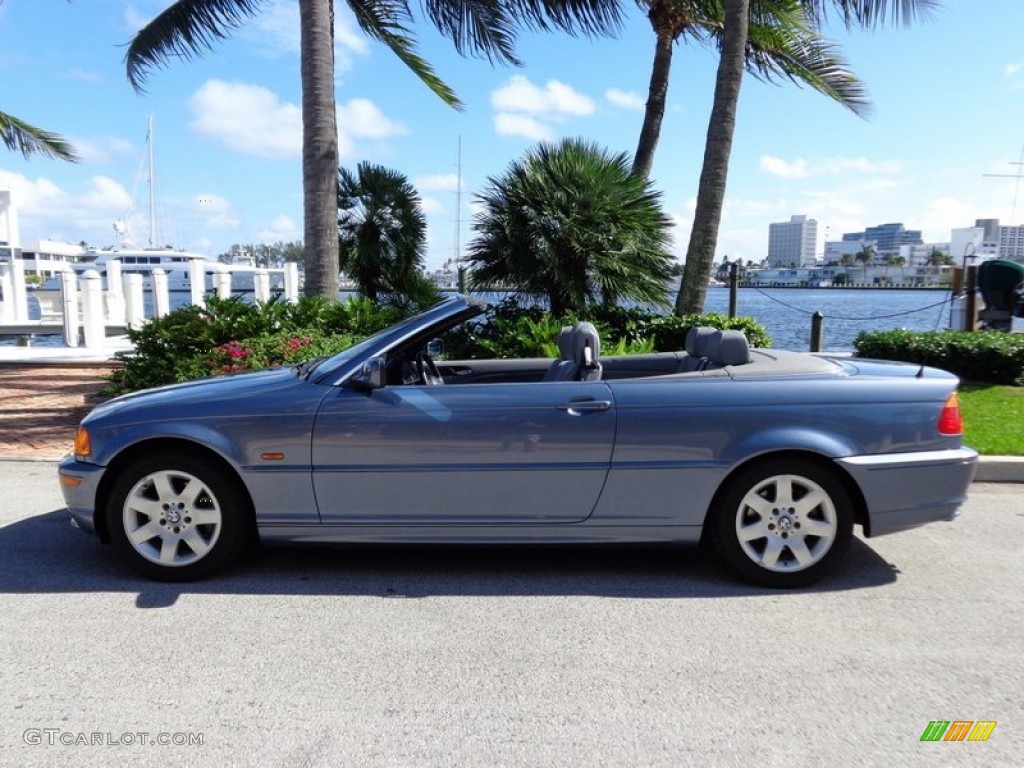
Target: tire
175, 518
783, 523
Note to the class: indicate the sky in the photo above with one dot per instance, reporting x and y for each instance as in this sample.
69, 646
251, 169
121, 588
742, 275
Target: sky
947, 94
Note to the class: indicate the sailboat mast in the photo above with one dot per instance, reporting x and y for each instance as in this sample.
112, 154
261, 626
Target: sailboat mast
152, 184
458, 205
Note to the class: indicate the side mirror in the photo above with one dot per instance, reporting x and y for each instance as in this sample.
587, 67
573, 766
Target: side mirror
371, 375
435, 348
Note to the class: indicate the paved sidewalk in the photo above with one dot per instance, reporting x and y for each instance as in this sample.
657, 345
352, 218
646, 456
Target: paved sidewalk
40, 406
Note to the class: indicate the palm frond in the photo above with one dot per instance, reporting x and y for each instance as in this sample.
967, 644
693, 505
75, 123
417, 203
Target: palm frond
188, 28
479, 27
19, 136
384, 20
783, 43
872, 13
590, 17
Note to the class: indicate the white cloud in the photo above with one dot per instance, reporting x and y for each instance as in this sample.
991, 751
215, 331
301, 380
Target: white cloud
47, 211
134, 20
1013, 68
941, 211
281, 228
438, 182
554, 100
776, 166
361, 118
248, 118
432, 206
625, 99
253, 119
521, 125
102, 150
834, 166
213, 212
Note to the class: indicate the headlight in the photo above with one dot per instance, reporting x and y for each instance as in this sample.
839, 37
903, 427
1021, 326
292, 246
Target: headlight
83, 443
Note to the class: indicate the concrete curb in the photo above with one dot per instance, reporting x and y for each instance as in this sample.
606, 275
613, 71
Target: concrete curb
1000, 469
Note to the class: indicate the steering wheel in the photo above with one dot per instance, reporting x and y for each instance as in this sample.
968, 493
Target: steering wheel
427, 370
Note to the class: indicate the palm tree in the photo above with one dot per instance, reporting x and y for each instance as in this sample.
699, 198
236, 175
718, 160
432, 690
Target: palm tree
188, 28
866, 257
711, 191
19, 136
571, 223
781, 42
382, 232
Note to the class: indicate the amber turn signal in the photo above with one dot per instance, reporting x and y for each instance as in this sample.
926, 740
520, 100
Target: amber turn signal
950, 420
70, 481
83, 444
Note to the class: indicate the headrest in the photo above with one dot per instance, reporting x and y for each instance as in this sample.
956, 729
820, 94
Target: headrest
692, 338
733, 349
565, 342
708, 343
584, 337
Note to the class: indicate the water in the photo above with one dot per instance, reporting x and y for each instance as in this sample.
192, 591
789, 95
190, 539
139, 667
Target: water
786, 313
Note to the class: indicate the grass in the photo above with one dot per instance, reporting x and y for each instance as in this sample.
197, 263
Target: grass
994, 417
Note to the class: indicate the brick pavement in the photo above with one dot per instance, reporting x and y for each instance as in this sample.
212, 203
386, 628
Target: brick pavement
41, 405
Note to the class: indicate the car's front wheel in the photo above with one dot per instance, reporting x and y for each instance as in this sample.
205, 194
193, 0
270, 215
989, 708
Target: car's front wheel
783, 523
174, 518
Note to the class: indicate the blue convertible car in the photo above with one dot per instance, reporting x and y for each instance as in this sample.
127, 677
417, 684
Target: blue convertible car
771, 457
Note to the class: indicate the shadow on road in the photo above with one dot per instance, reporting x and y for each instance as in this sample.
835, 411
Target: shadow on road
43, 554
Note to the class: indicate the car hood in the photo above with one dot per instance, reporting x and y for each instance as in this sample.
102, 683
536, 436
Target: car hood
219, 391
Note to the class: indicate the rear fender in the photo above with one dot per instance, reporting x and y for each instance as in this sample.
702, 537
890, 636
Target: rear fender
776, 439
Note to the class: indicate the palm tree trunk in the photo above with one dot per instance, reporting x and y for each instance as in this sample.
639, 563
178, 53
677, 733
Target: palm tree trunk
319, 148
711, 192
654, 112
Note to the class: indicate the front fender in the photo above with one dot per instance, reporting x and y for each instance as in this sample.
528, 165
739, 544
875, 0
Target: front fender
131, 435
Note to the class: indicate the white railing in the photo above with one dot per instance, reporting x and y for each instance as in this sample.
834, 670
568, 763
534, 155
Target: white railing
86, 309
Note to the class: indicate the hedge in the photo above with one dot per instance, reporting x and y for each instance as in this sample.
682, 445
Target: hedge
988, 356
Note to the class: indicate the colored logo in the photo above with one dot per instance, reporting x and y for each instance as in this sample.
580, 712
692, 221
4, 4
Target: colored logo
958, 730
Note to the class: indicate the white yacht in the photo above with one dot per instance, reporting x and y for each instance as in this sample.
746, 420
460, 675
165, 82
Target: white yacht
175, 263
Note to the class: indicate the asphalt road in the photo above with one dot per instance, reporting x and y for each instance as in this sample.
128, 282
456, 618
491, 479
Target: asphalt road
482, 657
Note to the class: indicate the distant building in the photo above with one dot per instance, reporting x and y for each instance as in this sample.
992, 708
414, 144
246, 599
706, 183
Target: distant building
1011, 242
887, 237
792, 243
990, 228
835, 250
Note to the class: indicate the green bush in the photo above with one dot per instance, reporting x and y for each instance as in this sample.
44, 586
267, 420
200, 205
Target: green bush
510, 330
988, 356
192, 341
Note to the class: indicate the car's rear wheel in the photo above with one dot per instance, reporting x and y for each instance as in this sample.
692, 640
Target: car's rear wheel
174, 518
783, 523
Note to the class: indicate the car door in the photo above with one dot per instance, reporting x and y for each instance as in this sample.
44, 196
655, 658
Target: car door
476, 453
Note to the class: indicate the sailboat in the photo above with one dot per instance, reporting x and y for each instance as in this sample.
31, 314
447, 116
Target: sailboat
143, 260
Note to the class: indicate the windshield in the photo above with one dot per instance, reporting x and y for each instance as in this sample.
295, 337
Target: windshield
382, 339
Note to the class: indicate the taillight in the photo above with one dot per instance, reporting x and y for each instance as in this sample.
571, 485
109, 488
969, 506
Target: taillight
950, 420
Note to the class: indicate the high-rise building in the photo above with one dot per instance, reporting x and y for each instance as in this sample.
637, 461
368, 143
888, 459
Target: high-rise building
887, 237
1011, 242
792, 243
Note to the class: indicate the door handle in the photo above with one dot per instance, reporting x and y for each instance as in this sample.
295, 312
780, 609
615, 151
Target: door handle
576, 407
